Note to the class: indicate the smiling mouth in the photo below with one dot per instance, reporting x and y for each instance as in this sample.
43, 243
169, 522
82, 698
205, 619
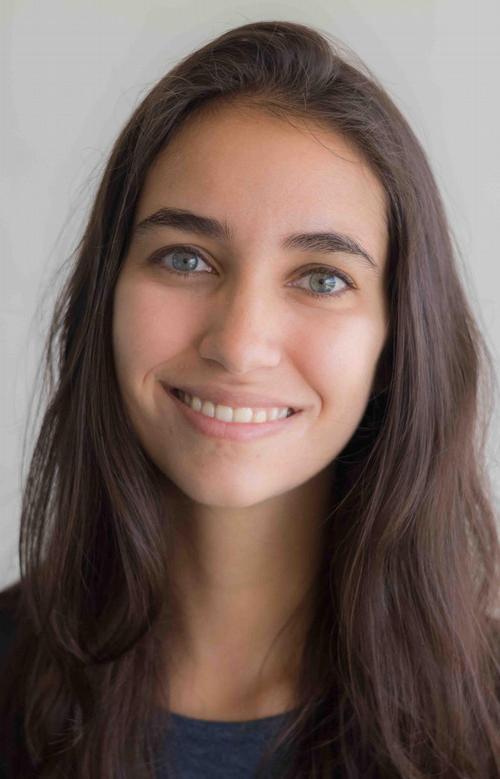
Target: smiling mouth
179, 394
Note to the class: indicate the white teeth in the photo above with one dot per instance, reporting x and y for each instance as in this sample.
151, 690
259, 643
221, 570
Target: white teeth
228, 414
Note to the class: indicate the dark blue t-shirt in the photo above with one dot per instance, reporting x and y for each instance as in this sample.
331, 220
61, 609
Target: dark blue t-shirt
200, 749
206, 749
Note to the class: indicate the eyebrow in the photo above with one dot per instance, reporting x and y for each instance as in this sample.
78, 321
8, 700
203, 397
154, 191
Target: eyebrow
182, 219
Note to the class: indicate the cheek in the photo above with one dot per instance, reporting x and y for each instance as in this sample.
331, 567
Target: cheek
342, 358
148, 327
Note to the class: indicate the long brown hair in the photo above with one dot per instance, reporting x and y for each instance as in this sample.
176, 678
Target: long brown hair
400, 673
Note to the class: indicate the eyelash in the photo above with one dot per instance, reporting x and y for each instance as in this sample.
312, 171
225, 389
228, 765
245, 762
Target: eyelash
158, 256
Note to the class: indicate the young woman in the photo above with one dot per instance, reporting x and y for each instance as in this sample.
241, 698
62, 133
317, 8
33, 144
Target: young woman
257, 534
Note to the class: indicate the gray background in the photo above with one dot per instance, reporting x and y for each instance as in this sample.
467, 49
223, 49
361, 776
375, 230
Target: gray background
71, 74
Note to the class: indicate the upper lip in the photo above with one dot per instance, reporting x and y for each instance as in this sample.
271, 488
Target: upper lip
226, 397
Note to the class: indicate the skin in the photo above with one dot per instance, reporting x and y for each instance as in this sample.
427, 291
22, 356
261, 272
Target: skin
248, 517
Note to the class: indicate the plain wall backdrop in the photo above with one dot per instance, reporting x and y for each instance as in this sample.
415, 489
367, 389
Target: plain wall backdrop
72, 73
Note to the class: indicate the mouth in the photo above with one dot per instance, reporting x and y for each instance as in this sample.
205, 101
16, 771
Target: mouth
179, 394
238, 432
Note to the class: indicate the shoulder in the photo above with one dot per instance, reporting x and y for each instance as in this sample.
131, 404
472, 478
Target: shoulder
10, 598
11, 738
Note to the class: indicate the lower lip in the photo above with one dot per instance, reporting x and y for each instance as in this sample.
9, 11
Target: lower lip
232, 431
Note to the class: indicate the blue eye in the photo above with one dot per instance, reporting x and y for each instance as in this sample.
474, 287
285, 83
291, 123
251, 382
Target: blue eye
185, 260
328, 287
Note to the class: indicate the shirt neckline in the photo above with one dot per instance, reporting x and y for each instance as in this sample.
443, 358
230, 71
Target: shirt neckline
183, 718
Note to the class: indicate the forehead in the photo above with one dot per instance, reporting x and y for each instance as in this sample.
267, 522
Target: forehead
266, 175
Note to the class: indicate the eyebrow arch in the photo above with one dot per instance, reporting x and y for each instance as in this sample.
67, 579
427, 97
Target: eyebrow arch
182, 219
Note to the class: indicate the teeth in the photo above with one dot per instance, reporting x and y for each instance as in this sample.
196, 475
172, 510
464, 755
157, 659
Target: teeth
228, 414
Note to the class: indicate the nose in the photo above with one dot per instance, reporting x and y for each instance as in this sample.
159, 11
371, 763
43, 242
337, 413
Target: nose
243, 333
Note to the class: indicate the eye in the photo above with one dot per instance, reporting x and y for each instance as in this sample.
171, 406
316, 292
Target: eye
184, 264
185, 261
328, 289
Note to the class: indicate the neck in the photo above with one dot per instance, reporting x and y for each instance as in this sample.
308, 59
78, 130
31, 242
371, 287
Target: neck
244, 598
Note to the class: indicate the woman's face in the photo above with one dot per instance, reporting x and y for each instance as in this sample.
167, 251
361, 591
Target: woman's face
246, 320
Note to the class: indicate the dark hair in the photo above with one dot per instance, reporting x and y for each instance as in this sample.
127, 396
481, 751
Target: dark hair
399, 675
